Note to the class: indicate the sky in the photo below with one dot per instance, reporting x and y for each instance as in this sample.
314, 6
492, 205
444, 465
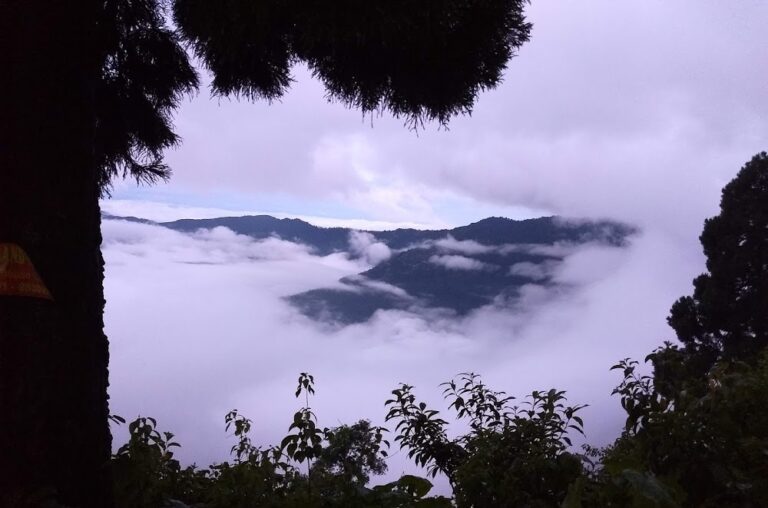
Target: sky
637, 111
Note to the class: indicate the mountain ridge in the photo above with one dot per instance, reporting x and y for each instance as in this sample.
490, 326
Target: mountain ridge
326, 240
454, 270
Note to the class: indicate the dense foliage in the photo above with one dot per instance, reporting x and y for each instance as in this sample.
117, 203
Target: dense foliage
700, 451
424, 60
699, 424
726, 318
312, 467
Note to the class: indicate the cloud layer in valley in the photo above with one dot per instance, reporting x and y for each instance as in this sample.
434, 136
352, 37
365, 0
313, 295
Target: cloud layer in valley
198, 326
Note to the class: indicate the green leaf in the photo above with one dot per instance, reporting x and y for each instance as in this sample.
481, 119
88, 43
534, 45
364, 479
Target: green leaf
415, 485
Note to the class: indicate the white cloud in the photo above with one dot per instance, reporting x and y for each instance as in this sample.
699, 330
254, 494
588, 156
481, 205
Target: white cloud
464, 246
360, 280
454, 262
535, 271
365, 245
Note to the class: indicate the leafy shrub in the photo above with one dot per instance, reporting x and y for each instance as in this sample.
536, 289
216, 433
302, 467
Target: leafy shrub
339, 464
512, 456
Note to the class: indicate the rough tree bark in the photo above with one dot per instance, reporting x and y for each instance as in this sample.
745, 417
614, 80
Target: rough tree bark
54, 435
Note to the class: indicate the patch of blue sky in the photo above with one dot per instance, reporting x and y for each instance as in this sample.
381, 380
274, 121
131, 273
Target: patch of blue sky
170, 202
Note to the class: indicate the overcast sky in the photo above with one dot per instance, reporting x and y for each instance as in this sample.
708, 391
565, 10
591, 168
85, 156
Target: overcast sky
635, 110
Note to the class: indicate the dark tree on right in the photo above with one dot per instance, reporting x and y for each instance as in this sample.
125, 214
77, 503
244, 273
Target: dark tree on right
727, 315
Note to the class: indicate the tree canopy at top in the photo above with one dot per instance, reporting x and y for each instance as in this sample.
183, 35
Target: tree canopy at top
421, 61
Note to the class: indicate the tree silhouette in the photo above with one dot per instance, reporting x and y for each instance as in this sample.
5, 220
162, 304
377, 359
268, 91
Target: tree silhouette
145, 73
696, 426
89, 88
727, 315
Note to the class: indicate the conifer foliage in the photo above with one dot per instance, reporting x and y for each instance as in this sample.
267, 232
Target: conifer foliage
425, 60
727, 315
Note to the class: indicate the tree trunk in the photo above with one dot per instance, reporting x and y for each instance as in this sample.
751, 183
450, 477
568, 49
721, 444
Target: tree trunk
54, 434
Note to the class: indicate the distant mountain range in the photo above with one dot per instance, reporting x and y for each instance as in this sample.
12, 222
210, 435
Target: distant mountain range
449, 270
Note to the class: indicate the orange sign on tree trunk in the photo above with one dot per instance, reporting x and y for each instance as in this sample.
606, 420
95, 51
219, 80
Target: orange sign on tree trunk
18, 276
